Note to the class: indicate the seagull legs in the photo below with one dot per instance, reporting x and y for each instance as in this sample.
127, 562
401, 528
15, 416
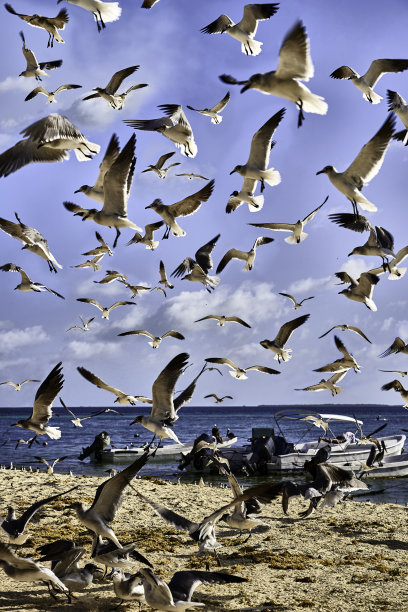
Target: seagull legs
166, 233
117, 236
31, 442
301, 117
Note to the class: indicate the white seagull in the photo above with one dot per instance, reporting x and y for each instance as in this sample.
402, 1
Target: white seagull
163, 277
276, 345
246, 194
245, 30
296, 304
295, 65
222, 319
329, 384
196, 270
367, 81
77, 421
109, 94
236, 371
84, 326
214, 111
96, 191
121, 398
34, 68
17, 386
135, 289
395, 273
148, 238
360, 290
26, 283
105, 310
158, 169
103, 249
398, 105
110, 276
344, 327
174, 126
50, 95
49, 24
92, 263
103, 12
155, 340
248, 257
342, 364
363, 168
398, 346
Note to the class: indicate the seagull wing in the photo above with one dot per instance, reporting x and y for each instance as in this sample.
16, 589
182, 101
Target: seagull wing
163, 158
379, 67
176, 114
218, 26
66, 408
90, 301
22, 16
217, 108
178, 521
95, 380
46, 394
192, 203
288, 296
337, 377
35, 92
231, 254
173, 334
368, 162
151, 228
280, 227
310, 216
137, 332
13, 229
150, 125
288, 328
122, 303
294, 55
52, 127
395, 347
341, 347
118, 77
186, 266
237, 320
74, 208
394, 384
254, 13
356, 223
261, 142
163, 388
110, 156
344, 72
366, 283
183, 584
27, 152
17, 562
222, 360
328, 331
67, 86
115, 182
208, 317
358, 331
203, 255
263, 369
29, 513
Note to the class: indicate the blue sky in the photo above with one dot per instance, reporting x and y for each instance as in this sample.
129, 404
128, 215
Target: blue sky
182, 66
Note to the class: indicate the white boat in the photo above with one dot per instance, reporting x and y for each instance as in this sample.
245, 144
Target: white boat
167, 452
395, 466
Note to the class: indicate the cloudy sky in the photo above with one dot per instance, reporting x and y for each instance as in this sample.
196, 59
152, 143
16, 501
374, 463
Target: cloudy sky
181, 66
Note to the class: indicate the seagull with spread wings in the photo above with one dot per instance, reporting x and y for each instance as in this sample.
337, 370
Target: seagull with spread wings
50, 95
345, 327
400, 372
91, 263
257, 165
213, 112
77, 421
158, 168
105, 310
135, 289
117, 182
363, 168
296, 304
245, 30
196, 270
108, 499
163, 277
343, 364
297, 234
395, 273
295, 65
17, 386
398, 346
368, 81
36, 69
122, 398
103, 249
360, 290
174, 126
50, 465
218, 400
148, 238
236, 371
109, 94
183, 208
155, 340
398, 105
26, 283
111, 154
276, 345
110, 277
222, 319
246, 194
329, 384
49, 24
103, 12
248, 257
42, 407
399, 388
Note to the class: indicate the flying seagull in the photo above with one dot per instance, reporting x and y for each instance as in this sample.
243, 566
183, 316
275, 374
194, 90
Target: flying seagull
213, 112
135, 289
248, 257
110, 276
49, 24
360, 290
380, 243
344, 363
103, 12
398, 105
163, 277
297, 234
218, 400
367, 81
193, 175
363, 168
329, 384
26, 283
395, 273
344, 327
236, 371
47, 140
96, 191
156, 340
295, 65
108, 499
276, 345
399, 388
122, 398
148, 238
103, 249
50, 95
295, 302
109, 94
91, 263
17, 386
50, 466
105, 310
245, 30
77, 421
400, 372
116, 189
196, 270
398, 346
174, 126
183, 208
158, 168
257, 165
246, 194
34, 68
42, 407
222, 319
148, 4
32, 239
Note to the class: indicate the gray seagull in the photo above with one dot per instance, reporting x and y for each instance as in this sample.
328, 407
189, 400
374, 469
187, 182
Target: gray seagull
277, 344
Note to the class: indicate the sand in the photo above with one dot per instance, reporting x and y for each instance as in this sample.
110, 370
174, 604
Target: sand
349, 558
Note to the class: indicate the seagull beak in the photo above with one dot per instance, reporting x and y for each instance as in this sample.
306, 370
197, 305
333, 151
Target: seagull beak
13, 424
232, 172
245, 87
146, 207
320, 172
77, 190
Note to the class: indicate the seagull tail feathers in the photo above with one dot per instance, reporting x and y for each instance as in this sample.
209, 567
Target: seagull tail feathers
111, 11
293, 240
364, 203
251, 47
271, 176
53, 432
370, 304
312, 103
257, 203
373, 97
397, 274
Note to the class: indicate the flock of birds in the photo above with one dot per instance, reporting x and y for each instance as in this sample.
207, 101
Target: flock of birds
50, 139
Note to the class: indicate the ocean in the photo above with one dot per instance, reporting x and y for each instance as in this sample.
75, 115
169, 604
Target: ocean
192, 422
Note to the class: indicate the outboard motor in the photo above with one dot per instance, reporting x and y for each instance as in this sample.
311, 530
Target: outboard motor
199, 454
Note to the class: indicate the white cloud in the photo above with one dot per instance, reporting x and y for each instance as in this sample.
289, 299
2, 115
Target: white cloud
355, 267
16, 338
84, 350
6, 364
309, 284
88, 287
387, 324
402, 329
15, 84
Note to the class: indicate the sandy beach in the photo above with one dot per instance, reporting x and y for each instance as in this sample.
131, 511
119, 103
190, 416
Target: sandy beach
349, 558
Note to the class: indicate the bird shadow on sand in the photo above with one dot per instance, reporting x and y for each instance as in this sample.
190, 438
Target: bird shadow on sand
391, 544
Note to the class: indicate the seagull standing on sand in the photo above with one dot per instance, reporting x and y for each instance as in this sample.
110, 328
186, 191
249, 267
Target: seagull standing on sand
174, 126
295, 65
345, 327
49, 24
398, 105
42, 407
122, 398
296, 229
103, 12
343, 364
158, 169
399, 388
109, 94
17, 386
50, 95
128, 587
50, 466
116, 190
197, 270
222, 319
296, 304
105, 311
257, 165
367, 81
329, 384
156, 340
214, 111
96, 191
236, 371
108, 499
183, 208
248, 257
360, 290
363, 168
276, 345
34, 68
26, 283
245, 30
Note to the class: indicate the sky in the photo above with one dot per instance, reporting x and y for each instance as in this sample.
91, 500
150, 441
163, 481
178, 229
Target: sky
182, 66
